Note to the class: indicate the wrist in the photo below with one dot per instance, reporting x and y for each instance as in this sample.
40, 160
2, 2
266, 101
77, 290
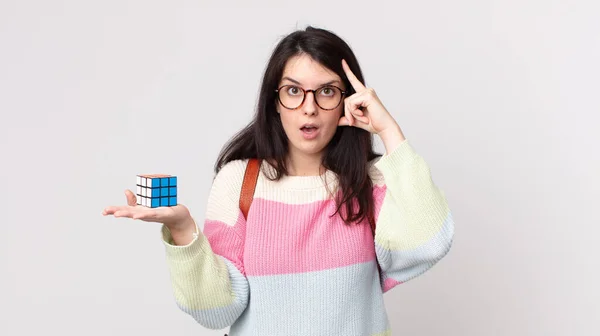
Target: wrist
184, 232
392, 137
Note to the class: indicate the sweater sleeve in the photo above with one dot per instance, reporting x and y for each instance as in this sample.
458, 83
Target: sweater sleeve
414, 225
207, 275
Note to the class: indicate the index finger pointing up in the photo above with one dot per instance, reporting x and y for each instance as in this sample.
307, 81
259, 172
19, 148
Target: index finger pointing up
356, 84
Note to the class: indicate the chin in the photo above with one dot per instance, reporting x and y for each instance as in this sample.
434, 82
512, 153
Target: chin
309, 148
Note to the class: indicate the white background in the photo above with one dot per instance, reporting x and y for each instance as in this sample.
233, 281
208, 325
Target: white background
500, 97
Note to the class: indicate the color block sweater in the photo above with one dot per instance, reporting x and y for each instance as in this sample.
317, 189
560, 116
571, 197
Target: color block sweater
292, 269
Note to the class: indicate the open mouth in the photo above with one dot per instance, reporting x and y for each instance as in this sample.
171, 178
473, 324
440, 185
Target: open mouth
308, 128
309, 131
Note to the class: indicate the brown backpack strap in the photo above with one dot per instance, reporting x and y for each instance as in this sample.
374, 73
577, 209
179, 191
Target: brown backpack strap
249, 185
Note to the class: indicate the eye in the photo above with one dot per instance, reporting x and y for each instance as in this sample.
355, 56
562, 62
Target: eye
293, 90
327, 91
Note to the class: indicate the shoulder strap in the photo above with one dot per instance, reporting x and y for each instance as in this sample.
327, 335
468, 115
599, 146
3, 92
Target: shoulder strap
249, 185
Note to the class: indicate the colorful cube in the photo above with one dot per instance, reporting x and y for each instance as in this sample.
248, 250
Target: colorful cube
156, 190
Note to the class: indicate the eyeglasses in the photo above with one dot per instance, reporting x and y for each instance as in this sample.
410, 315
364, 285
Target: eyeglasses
327, 97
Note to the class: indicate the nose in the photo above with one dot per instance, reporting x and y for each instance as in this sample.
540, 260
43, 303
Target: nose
310, 105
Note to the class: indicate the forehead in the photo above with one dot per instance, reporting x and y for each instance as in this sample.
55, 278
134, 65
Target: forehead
307, 71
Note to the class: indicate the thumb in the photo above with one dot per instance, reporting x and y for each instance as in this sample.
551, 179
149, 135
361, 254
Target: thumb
131, 199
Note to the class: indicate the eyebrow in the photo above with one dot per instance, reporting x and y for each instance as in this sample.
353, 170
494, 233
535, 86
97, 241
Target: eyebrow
296, 82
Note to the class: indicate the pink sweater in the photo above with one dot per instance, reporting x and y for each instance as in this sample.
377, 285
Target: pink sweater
291, 269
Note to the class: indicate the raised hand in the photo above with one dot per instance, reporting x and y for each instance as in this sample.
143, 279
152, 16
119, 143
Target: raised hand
363, 109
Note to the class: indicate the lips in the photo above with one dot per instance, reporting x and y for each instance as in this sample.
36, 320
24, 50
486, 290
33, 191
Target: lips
309, 131
309, 127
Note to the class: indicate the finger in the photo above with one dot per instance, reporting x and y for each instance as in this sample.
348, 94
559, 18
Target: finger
109, 210
356, 84
347, 113
134, 213
360, 123
354, 104
118, 211
131, 198
122, 213
363, 119
358, 112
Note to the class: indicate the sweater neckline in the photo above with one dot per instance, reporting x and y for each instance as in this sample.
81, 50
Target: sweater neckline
299, 182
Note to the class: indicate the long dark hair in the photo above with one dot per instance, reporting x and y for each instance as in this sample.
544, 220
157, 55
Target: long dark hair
349, 151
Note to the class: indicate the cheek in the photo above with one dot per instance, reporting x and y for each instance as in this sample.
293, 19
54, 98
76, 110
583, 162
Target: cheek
288, 123
285, 120
333, 119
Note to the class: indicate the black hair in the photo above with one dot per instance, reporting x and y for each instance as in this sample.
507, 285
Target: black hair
349, 152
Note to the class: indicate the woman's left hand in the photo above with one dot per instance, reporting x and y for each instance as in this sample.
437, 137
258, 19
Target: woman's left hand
364, 109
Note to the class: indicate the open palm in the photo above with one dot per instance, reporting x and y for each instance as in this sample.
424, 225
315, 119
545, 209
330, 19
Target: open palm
169, 216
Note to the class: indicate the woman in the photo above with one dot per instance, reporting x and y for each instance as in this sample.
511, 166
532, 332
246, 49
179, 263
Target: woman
304, 260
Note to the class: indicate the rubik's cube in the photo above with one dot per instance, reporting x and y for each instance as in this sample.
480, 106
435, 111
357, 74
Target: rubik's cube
156, 190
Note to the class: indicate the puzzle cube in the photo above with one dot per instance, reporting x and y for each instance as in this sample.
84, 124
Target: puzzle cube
156, 190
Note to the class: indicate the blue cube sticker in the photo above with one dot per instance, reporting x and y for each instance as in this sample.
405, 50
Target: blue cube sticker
164, 191
164, 182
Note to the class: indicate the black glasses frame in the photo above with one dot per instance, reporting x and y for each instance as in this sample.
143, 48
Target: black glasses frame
305, 92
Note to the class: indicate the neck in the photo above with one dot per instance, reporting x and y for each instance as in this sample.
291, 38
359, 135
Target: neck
302, 164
